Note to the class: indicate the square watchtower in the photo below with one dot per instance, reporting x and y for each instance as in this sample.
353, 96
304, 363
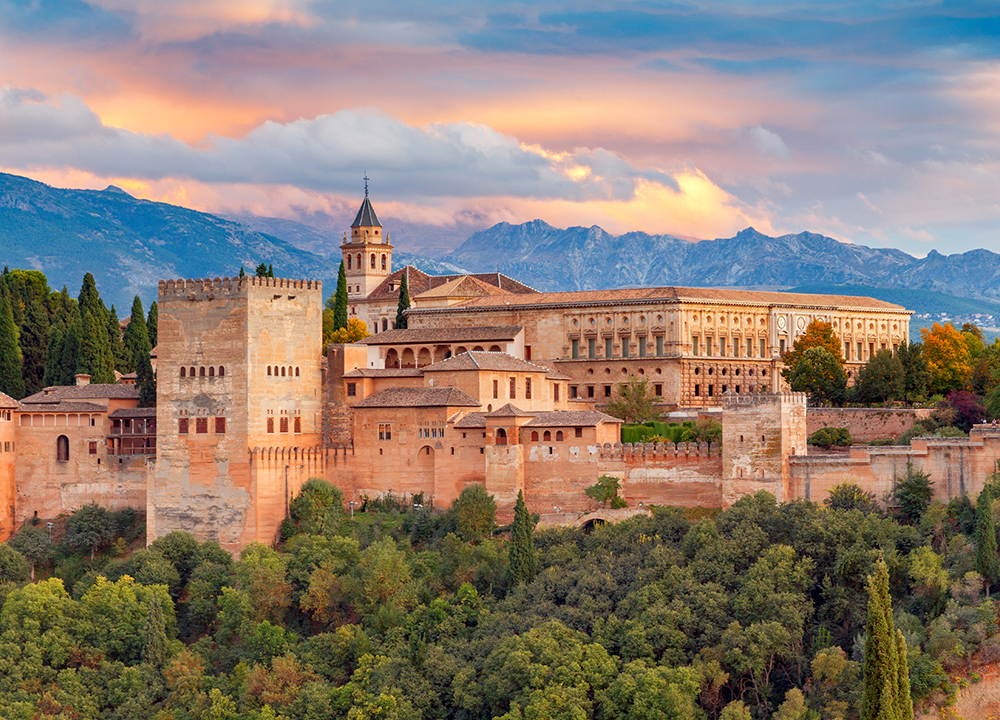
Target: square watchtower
238, 374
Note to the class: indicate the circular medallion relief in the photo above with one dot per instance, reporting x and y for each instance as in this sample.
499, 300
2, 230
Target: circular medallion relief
781, 322
801, 323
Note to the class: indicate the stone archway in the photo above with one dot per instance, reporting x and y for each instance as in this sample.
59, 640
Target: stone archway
441, 352
392, 358
408, 360
423, 358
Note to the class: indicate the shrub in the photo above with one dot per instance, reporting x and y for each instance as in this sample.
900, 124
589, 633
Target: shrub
830, 436
850, 496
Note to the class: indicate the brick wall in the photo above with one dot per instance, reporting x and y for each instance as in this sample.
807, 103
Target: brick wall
866, 424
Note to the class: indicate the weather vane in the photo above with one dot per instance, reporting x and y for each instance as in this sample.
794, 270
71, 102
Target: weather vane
366, 183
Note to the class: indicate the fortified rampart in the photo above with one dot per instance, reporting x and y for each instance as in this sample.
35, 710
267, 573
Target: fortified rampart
866, 424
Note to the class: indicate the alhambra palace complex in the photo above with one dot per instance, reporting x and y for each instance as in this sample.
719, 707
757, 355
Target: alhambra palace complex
492, 383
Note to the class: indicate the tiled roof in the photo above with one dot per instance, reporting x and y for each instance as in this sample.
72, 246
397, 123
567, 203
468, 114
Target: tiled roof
59, 393
133, 413
490, 333
419, 397
463, 286
384, 372
62, 407
366, 215
419, 282
509, 410
670, 295
7, 402
556, 375
570, 417
476, 360
472, 420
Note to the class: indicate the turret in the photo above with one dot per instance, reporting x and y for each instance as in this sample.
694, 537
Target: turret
367, 254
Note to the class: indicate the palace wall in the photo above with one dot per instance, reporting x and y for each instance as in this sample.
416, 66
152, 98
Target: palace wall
866, 424
8, 481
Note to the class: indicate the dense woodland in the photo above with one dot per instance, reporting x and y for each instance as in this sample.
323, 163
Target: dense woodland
47, 337
758, 611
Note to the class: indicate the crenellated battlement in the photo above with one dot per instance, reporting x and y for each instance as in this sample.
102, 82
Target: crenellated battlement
208, 288
660, 451
756, 399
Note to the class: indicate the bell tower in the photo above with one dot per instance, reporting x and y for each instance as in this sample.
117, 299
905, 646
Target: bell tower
367, 253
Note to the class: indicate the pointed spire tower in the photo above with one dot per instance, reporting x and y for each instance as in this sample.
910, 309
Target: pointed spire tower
367, 253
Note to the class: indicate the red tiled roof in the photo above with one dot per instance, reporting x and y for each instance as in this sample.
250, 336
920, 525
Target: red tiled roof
133, 413
418, 282
419, 397
92, 391
63, 407
567, 418
472, 420
490, 333
477, 360
384, 372
509, 410
8, 403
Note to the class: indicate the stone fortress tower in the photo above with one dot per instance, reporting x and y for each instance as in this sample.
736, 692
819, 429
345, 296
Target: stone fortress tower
239, 411
367, 254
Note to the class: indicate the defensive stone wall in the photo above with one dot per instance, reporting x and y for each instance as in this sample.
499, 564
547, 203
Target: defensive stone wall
866, 424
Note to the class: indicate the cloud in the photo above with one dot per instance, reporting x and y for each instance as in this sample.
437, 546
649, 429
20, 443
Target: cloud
769, 143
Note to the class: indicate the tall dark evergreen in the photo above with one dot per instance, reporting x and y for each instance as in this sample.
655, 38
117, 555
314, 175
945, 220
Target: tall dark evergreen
95, 357
145, 378
340, 300
151, 321
136, 336
886, 673
53, 354
154, 635
11, 377
90, 300
404, 302
987, 561
522, 553
122, 360
34, 344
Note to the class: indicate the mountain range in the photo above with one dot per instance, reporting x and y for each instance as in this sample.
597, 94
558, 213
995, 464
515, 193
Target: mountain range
129, 244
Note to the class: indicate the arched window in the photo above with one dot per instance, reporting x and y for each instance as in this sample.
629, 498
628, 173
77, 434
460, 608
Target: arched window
282, 372
534, 436
385, 324
349, 262
501, 436
383, 262
62, 448
296, 372
373, 262
183, 372
359, 261
222, 370
269, 370
559, 435
547, 437
201, 372
211, 371
191, 372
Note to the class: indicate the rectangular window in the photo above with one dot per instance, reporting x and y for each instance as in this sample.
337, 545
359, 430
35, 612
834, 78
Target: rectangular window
270, 424
591, 348
496, 389
736, 347
859, 357
527, 356
625, 343
695, 349
659, 346
576, 349
883, 346
572, 391
513, 389
642, 346
847, 351
578, 432
658, 390
590, 391
220, 426
385, 431
697, 390
298, 425
352, 389
607, 347
527, 388
607, 391
763, 347
92, 448
555, 392
781, 346
708, 346
722, 347
182, 426
711, 390
283, 424
871, 349
749, 347
201, 425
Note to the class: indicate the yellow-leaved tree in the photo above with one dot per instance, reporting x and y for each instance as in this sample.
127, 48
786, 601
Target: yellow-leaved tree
816, 334
948, 355
356, 330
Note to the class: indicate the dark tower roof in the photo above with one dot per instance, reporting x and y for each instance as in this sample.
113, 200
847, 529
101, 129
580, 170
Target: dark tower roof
366, 215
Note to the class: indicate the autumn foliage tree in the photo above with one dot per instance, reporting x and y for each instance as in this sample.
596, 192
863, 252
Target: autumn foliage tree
817, 334
948, 357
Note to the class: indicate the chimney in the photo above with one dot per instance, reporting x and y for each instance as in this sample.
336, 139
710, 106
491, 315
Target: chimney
82, 379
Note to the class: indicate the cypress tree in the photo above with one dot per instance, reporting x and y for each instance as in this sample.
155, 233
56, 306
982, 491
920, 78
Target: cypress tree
34, 344
90, 300
884, 666
145, 378
340, 300
136, 336
522, 553
243, 273
987, 562
154, 635
95, 351
404, 302
11, 378
53, 355
261, 270
270, 271
122, 361
151, 321
70, 359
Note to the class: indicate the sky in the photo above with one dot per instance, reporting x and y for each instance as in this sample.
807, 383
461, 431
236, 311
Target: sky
871, 122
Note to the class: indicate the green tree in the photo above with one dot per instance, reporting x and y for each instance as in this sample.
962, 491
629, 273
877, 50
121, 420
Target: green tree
96, 357
882, 378
886, 673
11, 366
34, 544
90, 527
987, 561
918, 378
318, 508
13, 565
34, 339
340, 300
145, 379
154, 636
122, 361
53, 354
604, 490
633, 402
850, 496
151, 321
404, 301
71, 349
475, 512
136, 336
382, 579
820, 374
261, 270
911, 494
522, 554
816, 334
